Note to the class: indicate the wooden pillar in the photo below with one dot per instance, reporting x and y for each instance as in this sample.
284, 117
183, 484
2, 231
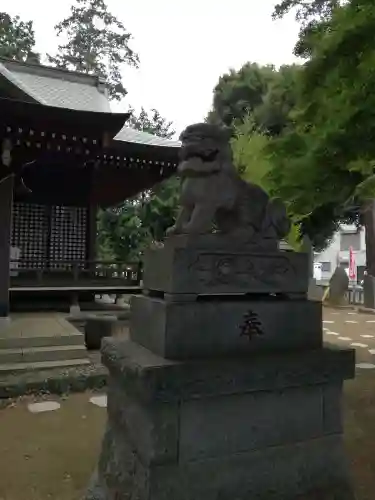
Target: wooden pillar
6, 201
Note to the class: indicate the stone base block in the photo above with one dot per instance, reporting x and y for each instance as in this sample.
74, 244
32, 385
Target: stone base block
183, 330
96, 328
214, 265
309, 471
267, 428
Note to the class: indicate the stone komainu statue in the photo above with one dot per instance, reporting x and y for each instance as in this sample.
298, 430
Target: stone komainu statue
213, 193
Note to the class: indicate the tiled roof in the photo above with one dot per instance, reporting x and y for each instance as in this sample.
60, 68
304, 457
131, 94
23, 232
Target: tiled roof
136, 136
55, 87
72, 90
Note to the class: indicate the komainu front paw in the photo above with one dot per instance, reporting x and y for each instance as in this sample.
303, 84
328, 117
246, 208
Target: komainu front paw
171, 231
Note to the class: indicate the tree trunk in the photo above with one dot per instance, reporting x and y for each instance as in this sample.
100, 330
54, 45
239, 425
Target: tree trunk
369, 279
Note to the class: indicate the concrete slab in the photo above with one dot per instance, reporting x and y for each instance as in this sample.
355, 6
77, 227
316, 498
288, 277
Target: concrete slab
100, 401
43, 406
38, 325
44, 341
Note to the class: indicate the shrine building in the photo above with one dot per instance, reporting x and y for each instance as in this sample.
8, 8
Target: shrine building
64, 154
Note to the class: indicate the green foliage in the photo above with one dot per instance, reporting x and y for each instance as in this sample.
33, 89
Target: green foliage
152, 123
261, 91
160, 209
121, 235
253, 159
97, 43
313, 16
274, 114
324, 166
17, 39
250, 154
239, 93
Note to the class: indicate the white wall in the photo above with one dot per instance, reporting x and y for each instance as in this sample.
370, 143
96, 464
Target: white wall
333, 254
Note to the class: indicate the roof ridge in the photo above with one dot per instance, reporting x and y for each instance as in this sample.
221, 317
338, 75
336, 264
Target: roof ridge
50, 71
129, 134
15, 81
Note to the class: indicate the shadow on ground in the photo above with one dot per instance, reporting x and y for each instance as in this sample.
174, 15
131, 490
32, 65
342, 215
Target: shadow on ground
51, 455
359, 406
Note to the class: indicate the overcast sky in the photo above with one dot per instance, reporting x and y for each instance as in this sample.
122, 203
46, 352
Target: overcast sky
184, 46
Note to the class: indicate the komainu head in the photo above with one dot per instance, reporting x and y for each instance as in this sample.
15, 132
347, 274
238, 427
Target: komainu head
204, 141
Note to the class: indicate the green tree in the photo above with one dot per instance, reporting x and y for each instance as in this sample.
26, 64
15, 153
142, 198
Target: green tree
274, 114
313, 16
17, 39
239, 93
125, 231
159, 204
325, 166
152, 123
261, 91
121, 235
160, 208
97, 43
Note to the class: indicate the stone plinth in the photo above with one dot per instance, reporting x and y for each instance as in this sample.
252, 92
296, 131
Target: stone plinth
264, 427
180, 329
213, 265
98, 327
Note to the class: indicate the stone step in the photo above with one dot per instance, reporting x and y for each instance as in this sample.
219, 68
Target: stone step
42, 341
41, 365
41, 354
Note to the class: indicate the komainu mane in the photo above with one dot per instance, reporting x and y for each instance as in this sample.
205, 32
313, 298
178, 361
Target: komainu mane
213, 193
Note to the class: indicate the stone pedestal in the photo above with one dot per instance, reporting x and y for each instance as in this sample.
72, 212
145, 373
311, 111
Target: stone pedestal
188, 330
264, 427
224, 390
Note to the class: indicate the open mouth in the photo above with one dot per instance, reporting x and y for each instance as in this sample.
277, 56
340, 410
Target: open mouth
206, 156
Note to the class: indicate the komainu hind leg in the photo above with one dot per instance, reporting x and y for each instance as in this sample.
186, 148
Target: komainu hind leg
201, 220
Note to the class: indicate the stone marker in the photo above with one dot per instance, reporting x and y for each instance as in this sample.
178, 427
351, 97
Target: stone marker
338, 287
224, 390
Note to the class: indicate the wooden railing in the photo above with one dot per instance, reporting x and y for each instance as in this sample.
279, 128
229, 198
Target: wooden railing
74, 273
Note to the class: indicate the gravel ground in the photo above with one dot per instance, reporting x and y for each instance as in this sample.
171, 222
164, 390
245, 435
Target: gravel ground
352, 329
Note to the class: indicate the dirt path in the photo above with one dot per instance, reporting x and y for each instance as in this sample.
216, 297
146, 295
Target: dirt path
49, 455
347, 328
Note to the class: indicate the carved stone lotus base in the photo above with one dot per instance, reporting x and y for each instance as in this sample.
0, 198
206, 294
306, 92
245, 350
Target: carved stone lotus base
265, 427
180, 329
